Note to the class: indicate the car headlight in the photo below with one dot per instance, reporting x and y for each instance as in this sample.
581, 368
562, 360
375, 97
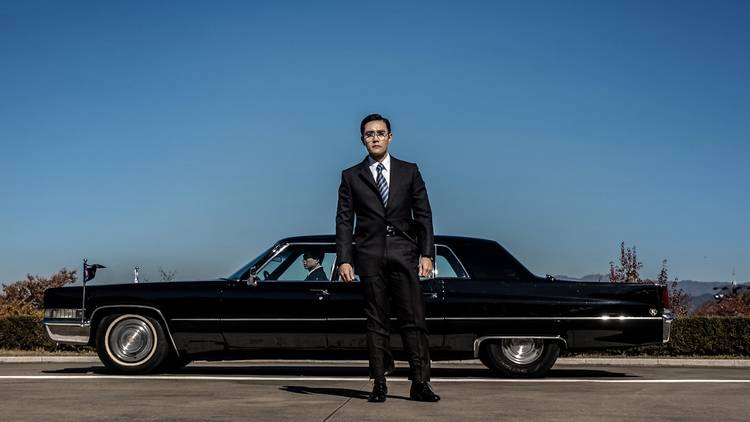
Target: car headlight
62, 313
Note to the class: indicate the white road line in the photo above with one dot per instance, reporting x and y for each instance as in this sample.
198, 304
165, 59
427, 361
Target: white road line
361, 379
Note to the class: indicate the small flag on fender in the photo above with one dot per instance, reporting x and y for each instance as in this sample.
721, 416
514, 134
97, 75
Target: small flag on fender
89, 271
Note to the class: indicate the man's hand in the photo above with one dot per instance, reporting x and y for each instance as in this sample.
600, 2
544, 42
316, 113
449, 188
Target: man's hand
347, 272
425, 267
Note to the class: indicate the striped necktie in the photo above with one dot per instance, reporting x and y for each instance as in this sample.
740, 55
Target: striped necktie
382, 185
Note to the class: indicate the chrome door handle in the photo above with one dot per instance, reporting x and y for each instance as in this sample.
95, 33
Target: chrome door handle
430, 295
320, 292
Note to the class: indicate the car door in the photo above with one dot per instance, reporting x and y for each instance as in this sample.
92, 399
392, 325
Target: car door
281, 311
509, 302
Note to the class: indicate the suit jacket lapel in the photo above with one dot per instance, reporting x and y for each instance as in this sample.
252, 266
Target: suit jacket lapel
394, 187
366, 175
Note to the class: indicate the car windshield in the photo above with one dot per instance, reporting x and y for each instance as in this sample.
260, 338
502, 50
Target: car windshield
243, 272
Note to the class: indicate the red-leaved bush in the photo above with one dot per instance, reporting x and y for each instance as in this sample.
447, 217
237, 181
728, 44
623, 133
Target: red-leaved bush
26, 297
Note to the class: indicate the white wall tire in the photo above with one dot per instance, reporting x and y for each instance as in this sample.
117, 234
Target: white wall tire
131, 343
519, 357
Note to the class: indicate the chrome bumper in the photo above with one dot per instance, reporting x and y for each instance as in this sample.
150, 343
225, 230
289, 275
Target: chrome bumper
68, 332
666, 326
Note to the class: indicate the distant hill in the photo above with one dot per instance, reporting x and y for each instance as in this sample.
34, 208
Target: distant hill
702, 291
697, 288
697, 301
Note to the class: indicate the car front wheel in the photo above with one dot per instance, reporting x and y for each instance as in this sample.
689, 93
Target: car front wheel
519, 357
131, 343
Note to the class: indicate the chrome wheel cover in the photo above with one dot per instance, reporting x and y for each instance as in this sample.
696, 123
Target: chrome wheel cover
130, 340
522, 351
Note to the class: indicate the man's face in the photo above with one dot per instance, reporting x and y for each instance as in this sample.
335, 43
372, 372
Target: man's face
376, 138
309, 263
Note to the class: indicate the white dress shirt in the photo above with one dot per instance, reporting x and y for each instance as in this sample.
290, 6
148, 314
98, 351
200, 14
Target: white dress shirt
386, 171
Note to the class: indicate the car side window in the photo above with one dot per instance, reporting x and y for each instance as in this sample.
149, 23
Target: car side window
447, 264
300, 262
319, 271
270, 268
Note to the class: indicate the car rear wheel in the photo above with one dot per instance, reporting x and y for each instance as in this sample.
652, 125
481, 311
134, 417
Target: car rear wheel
131, 343
519, 357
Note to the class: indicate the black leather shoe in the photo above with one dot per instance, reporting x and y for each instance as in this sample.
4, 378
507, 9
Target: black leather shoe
379, 391
422, 391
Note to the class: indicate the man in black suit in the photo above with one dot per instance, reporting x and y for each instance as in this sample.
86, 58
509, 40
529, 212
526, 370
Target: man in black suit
312, 261
394, 246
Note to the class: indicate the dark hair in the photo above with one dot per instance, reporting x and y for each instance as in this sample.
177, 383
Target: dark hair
372, 118
314, 254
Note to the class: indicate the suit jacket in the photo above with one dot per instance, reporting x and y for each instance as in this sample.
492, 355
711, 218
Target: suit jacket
319, 274
408, 211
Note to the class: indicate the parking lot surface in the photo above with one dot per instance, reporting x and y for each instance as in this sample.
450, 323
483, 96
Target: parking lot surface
331, 391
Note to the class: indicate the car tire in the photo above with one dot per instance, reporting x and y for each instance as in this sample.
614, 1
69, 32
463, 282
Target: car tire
131, 343
519, 357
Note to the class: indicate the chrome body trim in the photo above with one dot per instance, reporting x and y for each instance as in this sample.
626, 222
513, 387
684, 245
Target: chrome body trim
254, 319
70, 323
195, 319
478, 341
269, 319
166, 325
602, 318
347, 319
68, 332
333, 268
667, 318
286, 319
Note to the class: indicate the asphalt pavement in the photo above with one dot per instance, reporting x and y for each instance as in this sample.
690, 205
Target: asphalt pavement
337, 391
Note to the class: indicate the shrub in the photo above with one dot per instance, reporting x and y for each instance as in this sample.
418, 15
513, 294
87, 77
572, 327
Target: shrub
26, 332
710, 336
733, 305
26, 297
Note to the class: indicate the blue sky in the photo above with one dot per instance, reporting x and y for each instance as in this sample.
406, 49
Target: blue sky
190, 136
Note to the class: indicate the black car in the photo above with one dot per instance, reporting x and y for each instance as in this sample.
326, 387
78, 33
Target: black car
480, 303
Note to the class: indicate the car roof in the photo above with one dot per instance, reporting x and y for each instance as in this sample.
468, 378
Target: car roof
331, 238
481, 257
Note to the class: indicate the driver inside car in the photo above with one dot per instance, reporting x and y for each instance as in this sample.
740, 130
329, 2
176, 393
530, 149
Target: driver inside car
312, 261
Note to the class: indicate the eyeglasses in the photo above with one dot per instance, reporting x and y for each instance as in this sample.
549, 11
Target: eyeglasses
372, 133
